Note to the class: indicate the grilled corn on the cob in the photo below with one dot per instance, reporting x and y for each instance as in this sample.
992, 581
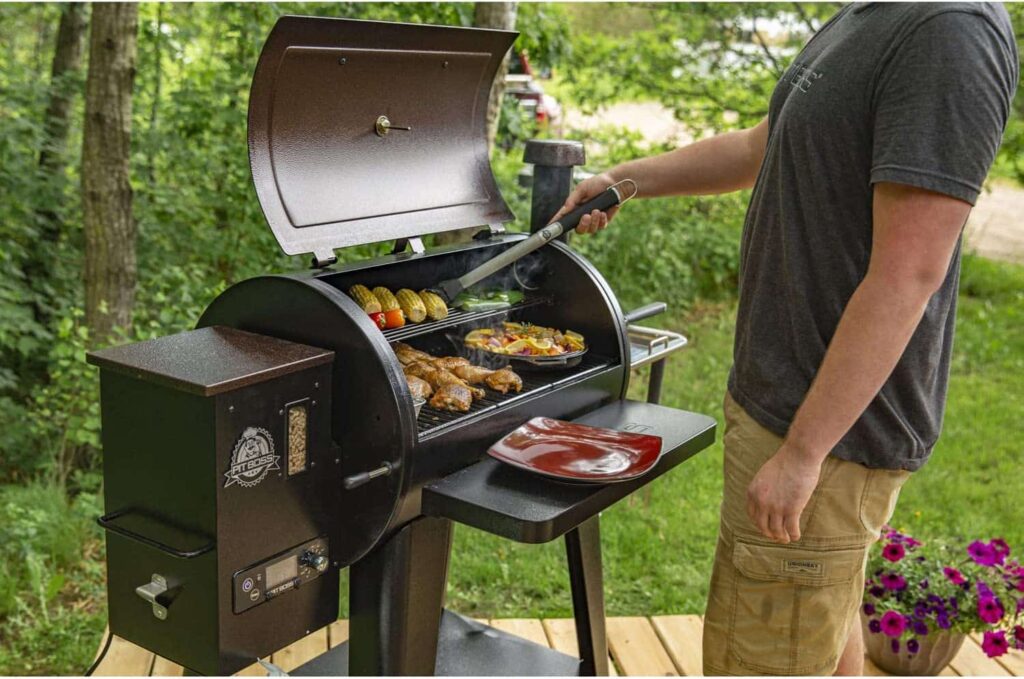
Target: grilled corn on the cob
388, 302
412, 305
365, 299
435, 306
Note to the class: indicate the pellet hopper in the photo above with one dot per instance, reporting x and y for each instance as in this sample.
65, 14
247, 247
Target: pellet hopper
249, 461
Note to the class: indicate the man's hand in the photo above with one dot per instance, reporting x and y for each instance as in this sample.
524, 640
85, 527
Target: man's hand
584, 191
779, 492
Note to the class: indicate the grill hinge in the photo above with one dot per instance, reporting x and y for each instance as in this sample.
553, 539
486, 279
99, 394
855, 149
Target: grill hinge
323, 258
413, 243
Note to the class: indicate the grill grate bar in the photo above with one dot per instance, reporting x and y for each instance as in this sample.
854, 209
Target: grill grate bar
432, 421
457, 317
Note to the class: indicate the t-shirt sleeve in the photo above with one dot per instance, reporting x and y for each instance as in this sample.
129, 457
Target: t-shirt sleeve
941, 103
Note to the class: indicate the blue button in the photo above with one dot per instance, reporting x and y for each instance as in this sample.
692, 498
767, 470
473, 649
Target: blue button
247, 584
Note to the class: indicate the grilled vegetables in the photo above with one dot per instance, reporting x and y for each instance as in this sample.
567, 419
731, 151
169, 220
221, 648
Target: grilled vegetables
392, 310
436, 308
365, 299
523, 339
412, 306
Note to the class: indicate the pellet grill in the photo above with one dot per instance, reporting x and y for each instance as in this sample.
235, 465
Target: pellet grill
250, 460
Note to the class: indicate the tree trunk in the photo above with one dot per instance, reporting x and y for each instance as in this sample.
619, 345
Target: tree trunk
67, 60
501, 15
110, 274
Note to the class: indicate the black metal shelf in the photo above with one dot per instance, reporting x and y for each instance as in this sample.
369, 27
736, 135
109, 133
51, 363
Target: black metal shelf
457, 317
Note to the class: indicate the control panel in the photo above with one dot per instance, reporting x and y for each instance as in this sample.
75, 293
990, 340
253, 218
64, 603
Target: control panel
280, 574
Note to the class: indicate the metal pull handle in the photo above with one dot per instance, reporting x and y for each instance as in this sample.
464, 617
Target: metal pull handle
383, 126
106, 522
356, 480
646, 311
159, 594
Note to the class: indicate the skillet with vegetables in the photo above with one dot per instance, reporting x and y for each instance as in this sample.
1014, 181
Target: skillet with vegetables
525, 339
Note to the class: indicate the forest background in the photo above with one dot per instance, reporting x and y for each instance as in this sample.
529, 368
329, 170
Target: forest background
126, 206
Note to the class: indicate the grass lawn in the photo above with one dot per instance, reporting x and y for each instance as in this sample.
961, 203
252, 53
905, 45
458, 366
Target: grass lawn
657, 548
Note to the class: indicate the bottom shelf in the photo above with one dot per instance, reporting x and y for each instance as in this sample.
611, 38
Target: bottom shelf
467, 648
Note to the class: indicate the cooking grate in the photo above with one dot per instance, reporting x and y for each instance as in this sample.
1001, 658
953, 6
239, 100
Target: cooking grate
432, 421
457, 317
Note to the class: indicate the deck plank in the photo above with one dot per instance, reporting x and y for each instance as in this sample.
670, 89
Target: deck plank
337, 633
562, 637
681, 636
1012, 662
636, 648
125, 658
301, 651
162, 667
530, 629
971, 661
253, 670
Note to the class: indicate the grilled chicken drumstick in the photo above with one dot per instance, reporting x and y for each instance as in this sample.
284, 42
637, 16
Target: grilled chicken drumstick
501, 380
438, 378
448, 362
419, 387
452, 397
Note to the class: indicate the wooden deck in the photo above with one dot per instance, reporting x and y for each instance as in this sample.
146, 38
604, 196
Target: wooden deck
650, 646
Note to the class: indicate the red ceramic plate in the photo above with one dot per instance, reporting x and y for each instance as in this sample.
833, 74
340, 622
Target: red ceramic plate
577, 452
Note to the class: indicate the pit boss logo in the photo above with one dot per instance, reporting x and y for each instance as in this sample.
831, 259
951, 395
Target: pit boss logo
252, 458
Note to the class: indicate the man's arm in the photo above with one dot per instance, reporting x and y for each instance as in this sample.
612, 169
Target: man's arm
914, 235
726, 162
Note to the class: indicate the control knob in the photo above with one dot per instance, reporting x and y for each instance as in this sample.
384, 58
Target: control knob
318, 562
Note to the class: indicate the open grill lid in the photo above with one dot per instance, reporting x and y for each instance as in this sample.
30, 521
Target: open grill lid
328, 175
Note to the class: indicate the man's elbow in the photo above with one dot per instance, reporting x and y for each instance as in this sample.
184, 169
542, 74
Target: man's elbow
910, 281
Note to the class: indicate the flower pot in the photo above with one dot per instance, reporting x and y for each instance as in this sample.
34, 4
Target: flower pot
936, 651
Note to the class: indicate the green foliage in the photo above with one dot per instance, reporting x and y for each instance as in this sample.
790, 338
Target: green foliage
711, 63
49, 568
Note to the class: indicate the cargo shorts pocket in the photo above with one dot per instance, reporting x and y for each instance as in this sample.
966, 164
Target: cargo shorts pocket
792, 606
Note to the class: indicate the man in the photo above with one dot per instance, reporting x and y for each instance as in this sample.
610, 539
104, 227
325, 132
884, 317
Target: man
877, 141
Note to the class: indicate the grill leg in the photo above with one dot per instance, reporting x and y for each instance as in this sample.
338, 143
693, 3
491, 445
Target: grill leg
655, 380
583, 551
396, 594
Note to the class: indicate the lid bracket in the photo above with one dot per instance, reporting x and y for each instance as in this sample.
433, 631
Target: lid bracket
323, 258
413, 243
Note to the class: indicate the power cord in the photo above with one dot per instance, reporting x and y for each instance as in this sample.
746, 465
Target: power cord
101, 656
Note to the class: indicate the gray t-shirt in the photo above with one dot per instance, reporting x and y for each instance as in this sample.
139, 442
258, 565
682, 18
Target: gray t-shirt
915, 94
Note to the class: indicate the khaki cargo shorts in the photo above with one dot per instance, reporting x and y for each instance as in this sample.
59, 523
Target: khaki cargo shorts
787, 609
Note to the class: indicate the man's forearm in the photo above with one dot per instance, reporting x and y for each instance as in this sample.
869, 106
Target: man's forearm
723, 163
871, 336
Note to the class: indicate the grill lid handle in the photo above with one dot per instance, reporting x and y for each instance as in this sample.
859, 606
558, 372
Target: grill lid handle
646, 311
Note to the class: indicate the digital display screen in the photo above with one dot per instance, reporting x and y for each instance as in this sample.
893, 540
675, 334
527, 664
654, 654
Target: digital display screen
282, 571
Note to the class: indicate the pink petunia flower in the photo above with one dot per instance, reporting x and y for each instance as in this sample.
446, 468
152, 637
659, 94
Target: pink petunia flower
1018, 637
955, 576
982, 553
893, 581
990, 610
911, 543
1002, 549
893, 552
893, 624
994, 644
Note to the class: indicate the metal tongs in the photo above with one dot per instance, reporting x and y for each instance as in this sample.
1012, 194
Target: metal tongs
608, 198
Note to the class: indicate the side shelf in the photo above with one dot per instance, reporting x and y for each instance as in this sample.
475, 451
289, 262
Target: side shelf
526, 507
